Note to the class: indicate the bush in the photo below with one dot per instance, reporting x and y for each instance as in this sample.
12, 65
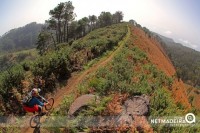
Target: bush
100, 85
162, 103
53, 67
56, 63
101, 40
12, 79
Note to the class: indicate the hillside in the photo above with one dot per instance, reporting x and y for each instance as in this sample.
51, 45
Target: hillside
193, 96
185, 60
10, 59
20, 38
114, 63
158, 57
57, 66
134, 69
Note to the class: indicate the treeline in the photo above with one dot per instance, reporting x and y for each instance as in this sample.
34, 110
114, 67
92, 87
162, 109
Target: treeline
20, 38
62, 26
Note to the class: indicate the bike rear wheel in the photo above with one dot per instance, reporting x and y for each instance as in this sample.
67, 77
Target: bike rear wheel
35, 121
50, 105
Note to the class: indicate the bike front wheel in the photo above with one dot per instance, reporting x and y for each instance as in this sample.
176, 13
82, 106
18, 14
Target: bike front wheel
35, 121
50, 105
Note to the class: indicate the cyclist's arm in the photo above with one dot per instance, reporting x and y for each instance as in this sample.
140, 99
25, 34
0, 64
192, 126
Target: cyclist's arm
38, 102
46, 102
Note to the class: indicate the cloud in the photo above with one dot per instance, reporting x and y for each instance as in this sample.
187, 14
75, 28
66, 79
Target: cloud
188, 43
193, 46
168, 32
184, 41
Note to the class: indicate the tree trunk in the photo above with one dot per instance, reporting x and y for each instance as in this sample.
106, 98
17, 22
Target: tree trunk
64, 32
59, 32
54, 42
67, 31
57, 35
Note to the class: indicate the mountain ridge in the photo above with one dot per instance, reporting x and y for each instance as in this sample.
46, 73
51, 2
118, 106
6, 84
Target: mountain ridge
152, 48
20, 38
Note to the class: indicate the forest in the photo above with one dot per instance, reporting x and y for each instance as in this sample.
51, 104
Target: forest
185, 59
20, 38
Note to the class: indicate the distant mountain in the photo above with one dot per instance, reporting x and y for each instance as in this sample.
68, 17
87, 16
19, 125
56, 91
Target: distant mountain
166, 39
20, 38
185, 59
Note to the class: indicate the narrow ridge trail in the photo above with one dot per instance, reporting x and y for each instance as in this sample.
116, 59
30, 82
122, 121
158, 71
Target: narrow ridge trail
77, 78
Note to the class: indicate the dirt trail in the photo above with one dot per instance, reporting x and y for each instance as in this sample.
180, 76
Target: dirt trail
78, 77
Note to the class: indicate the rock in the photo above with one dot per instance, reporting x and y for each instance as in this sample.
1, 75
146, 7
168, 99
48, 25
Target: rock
132, 116
137, 105
80, 102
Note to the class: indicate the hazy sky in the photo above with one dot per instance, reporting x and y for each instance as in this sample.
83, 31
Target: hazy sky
177, 19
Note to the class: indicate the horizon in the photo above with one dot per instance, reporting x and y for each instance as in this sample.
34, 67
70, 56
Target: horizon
171, 18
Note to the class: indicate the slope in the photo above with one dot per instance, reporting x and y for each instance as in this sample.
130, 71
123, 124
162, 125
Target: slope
20, 38
76, 78
185, 59
129, 70
193, 96
158, 57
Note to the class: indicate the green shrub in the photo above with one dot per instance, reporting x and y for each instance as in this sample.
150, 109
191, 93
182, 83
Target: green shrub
97, 108
53, 67
27, 65
100, 85
162, 103
56, 63
101, 40
12, 79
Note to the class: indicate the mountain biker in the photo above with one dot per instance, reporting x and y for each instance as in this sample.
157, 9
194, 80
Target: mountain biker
32, 102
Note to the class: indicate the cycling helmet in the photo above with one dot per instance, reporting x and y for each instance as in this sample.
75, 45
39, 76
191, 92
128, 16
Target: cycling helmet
35, 92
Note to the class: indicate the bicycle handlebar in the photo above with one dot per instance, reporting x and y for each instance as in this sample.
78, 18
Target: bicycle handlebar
43, 98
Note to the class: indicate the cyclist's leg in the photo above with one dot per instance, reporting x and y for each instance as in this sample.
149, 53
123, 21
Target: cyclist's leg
29, 109
41, 110
36, 108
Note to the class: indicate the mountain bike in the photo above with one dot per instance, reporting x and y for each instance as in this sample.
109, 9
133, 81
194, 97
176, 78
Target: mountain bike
35, 120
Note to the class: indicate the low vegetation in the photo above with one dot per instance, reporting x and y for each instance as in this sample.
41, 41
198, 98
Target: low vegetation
56, 65
11, 59
130, 72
